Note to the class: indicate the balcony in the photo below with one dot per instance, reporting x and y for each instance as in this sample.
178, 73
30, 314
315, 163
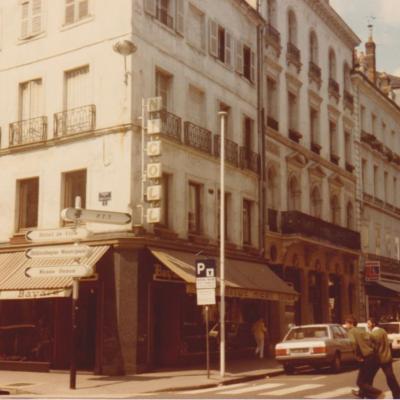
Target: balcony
28, 131
272, 123
163, 16
295, 135
315, 147
334, 89
314, 72
231, 150
348, 100
75, 120
197, 137
296, 222
368, 197
334, 158
249, 160
171, 125
367, 137
293, 56
273, 37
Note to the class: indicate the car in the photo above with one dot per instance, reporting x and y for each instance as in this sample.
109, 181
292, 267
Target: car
315, 345
393, 331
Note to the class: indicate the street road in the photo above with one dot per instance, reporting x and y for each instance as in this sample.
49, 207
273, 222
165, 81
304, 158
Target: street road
305, 384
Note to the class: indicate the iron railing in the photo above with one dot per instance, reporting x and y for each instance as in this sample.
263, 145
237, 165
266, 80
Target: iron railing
231, 150
249, 160
171, 124
75, 120
28, 131
197, 137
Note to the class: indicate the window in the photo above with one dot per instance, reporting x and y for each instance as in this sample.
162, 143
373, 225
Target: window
248, 134
346, 77
364, 174
165, 11
194, 208
332, 64
313, 48
164, 88
292, 28
165, 199
363, 114
196, 28
227, 216
196, 106
31, 18
347, 147
316, 202
77, 88
373, 124
271, 12
74, 185
294, 194
349, 216
335, 210
220, 43
383, 133
314, 125
333, 138
375, 180
28, 203
248, 63
247, 211
394, 195
76, 10
272, 102
386, 185
272, 189
293, 108
30, 99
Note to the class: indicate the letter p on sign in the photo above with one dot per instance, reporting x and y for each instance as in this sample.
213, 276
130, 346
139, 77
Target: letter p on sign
205, 268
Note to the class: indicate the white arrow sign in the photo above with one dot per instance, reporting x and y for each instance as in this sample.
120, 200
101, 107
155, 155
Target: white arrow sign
103, 217
73, 271
75, 251
50, 235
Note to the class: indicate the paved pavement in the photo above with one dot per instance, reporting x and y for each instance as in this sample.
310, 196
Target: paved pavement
56, 383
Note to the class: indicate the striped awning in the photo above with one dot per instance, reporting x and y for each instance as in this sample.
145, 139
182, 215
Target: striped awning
14, 284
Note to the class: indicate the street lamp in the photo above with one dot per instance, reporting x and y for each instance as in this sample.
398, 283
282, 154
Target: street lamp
222, 114
125, 48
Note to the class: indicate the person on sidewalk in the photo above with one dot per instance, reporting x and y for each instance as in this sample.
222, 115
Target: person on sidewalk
259, 332
382, 347
364, 350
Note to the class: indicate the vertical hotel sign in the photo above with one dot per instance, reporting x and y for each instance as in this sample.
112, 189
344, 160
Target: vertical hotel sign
372, 271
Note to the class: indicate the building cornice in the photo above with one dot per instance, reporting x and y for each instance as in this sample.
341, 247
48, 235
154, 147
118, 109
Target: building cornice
249, 11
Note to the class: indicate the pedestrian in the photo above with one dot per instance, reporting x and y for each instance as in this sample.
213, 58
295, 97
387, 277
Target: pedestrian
382, 348
368, 360
259, 332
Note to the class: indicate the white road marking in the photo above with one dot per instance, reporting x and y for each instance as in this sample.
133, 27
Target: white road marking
332, 393
252, 388
291, 389
212, 389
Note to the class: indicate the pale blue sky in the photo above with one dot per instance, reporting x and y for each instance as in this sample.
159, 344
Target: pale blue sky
386, 27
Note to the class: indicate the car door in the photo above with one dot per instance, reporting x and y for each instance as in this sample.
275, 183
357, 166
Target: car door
348, 350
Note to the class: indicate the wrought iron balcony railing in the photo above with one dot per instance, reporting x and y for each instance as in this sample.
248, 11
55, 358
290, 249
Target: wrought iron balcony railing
249, 160
75, 120
348, 100
171, 124
272, 36
293, 55
197, 137
296, 222
334, 88
314, 72
231, 150
28, 131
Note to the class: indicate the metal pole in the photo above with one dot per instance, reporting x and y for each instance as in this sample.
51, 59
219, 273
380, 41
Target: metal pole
75, 293
207, 344
222, 245
142, 163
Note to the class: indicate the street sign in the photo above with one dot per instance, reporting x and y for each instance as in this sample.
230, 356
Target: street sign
102, 217
206, 283
73, 271
206, 268
51, 235
205, 297
74, 251
372, 271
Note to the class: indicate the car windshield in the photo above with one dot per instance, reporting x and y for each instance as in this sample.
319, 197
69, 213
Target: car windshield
307, 333
391, 328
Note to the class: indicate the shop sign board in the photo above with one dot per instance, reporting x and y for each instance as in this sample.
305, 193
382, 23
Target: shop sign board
74, 251
372, 271
50, 235
102, 217
72, 271
205, 297
206, 274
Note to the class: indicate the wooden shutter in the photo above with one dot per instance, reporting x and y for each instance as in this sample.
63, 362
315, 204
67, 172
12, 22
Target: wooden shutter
36, 16
150, 7
25, 19
252, 66
180, 17
77, 88
83, 9
69, 11
213, 38
228, 49
239, 57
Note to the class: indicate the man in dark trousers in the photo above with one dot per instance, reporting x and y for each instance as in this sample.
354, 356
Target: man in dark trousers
364, 350
382, 348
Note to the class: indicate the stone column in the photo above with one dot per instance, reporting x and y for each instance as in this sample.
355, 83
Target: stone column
304, 297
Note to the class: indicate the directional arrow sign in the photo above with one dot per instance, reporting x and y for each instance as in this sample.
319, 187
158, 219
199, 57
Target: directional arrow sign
50, 235
103, 217
73, 271
75, 251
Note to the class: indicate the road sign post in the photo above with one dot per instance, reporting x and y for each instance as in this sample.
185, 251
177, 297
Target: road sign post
98, 216
75, 296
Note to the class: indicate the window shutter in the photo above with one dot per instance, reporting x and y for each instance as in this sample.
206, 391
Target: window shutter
36, 16
239, 57
69, 11
213, 38
150, 7
83, 8
228, 49
252, 67
180, 16
25, 19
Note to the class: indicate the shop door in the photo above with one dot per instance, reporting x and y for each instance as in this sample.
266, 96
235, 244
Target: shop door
166, 317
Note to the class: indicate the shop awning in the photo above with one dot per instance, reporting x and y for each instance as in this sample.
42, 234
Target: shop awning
242, 278
15, 285
391, 285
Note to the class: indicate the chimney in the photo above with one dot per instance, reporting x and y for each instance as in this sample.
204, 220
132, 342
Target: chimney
370, 58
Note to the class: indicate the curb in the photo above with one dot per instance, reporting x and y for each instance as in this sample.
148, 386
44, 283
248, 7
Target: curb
226, 382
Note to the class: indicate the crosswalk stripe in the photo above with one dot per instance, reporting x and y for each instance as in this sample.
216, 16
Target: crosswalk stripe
212, 389
332, 393
292, 389
252, 388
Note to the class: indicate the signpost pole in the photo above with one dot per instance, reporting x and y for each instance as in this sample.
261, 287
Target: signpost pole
75, 293
207, 344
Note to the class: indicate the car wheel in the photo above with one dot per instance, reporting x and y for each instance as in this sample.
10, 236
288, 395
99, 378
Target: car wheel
336, 364
289, 369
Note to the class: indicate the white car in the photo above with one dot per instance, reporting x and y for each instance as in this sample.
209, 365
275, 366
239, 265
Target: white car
315, 345
393, 331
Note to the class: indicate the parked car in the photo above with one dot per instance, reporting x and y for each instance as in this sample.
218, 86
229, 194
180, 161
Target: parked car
315, 345
393, 331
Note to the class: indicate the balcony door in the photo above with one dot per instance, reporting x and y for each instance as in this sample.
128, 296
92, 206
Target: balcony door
30, 100
77, 88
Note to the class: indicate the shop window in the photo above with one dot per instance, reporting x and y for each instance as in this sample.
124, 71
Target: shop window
28, 203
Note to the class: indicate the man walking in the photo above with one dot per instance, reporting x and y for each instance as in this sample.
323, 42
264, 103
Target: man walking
364, 350
259, 331
382, 347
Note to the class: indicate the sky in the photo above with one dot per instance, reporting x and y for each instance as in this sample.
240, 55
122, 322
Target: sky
386, 14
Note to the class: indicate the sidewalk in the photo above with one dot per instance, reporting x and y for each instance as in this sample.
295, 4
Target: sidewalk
56, 383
